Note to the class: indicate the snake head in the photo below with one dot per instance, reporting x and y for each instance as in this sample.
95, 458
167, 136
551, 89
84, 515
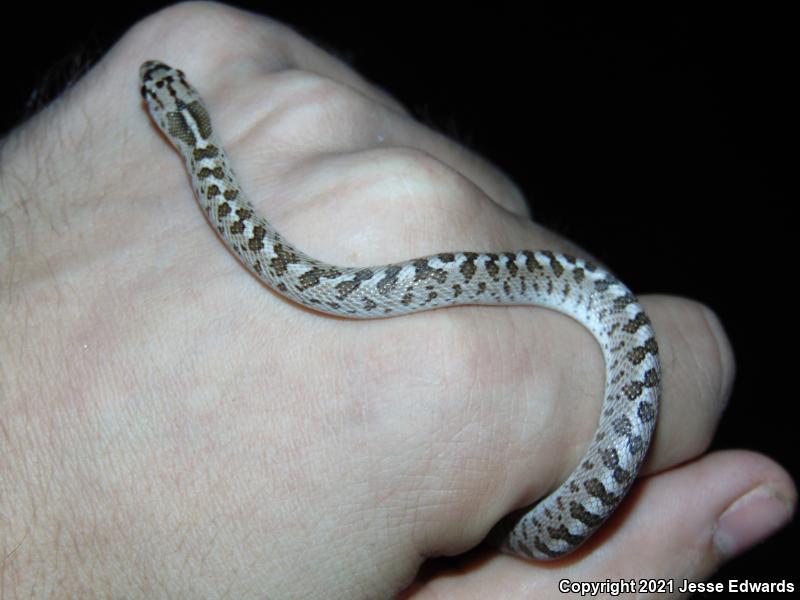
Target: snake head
174, 104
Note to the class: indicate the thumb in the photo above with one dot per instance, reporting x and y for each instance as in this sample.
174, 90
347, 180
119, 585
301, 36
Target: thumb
676, 527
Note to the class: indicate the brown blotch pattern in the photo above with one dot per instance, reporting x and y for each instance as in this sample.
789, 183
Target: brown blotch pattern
623, 301
178, 127
491, 266
543, 548
468, 268
610, 458
577, 511
555, 265
639, 353
312, 277
389, 281
283, 257
646, 411
243, 215
212, 191
651, 378
511, 263
562, 533
621, 476
209, 151
223, 210
622, 426
256, 242
601, 285
205, 173
200, 116
632, 326
636, 445
345, 288
596, 488
633, 389
530, 261
425, 271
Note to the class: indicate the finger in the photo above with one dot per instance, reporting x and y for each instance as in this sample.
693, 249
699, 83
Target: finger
297, 119
698, 369
261, 44
294, 99
680, 526
528, 456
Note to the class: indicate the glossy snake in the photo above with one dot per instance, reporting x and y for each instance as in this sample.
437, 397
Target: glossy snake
566, 517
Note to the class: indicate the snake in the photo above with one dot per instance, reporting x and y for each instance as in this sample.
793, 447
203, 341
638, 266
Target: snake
579, 288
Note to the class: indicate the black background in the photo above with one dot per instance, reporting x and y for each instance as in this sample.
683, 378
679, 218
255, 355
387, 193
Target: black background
657, 140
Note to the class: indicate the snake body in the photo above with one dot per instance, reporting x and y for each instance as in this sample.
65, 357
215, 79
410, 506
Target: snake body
565, 518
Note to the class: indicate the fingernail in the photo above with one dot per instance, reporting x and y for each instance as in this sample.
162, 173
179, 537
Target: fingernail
751, 519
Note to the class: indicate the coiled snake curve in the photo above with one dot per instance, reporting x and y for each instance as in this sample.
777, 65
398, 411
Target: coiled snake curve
569, 515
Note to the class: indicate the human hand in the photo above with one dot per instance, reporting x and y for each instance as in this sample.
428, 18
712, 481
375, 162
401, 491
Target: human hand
209, 438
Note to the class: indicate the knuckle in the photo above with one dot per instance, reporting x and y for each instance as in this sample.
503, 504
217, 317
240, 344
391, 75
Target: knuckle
421, 179
417, 183
437, 203
722, 362
710, 364
182, 19
309, 109
401, 202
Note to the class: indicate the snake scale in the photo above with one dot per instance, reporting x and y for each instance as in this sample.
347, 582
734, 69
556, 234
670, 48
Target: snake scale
565, 518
